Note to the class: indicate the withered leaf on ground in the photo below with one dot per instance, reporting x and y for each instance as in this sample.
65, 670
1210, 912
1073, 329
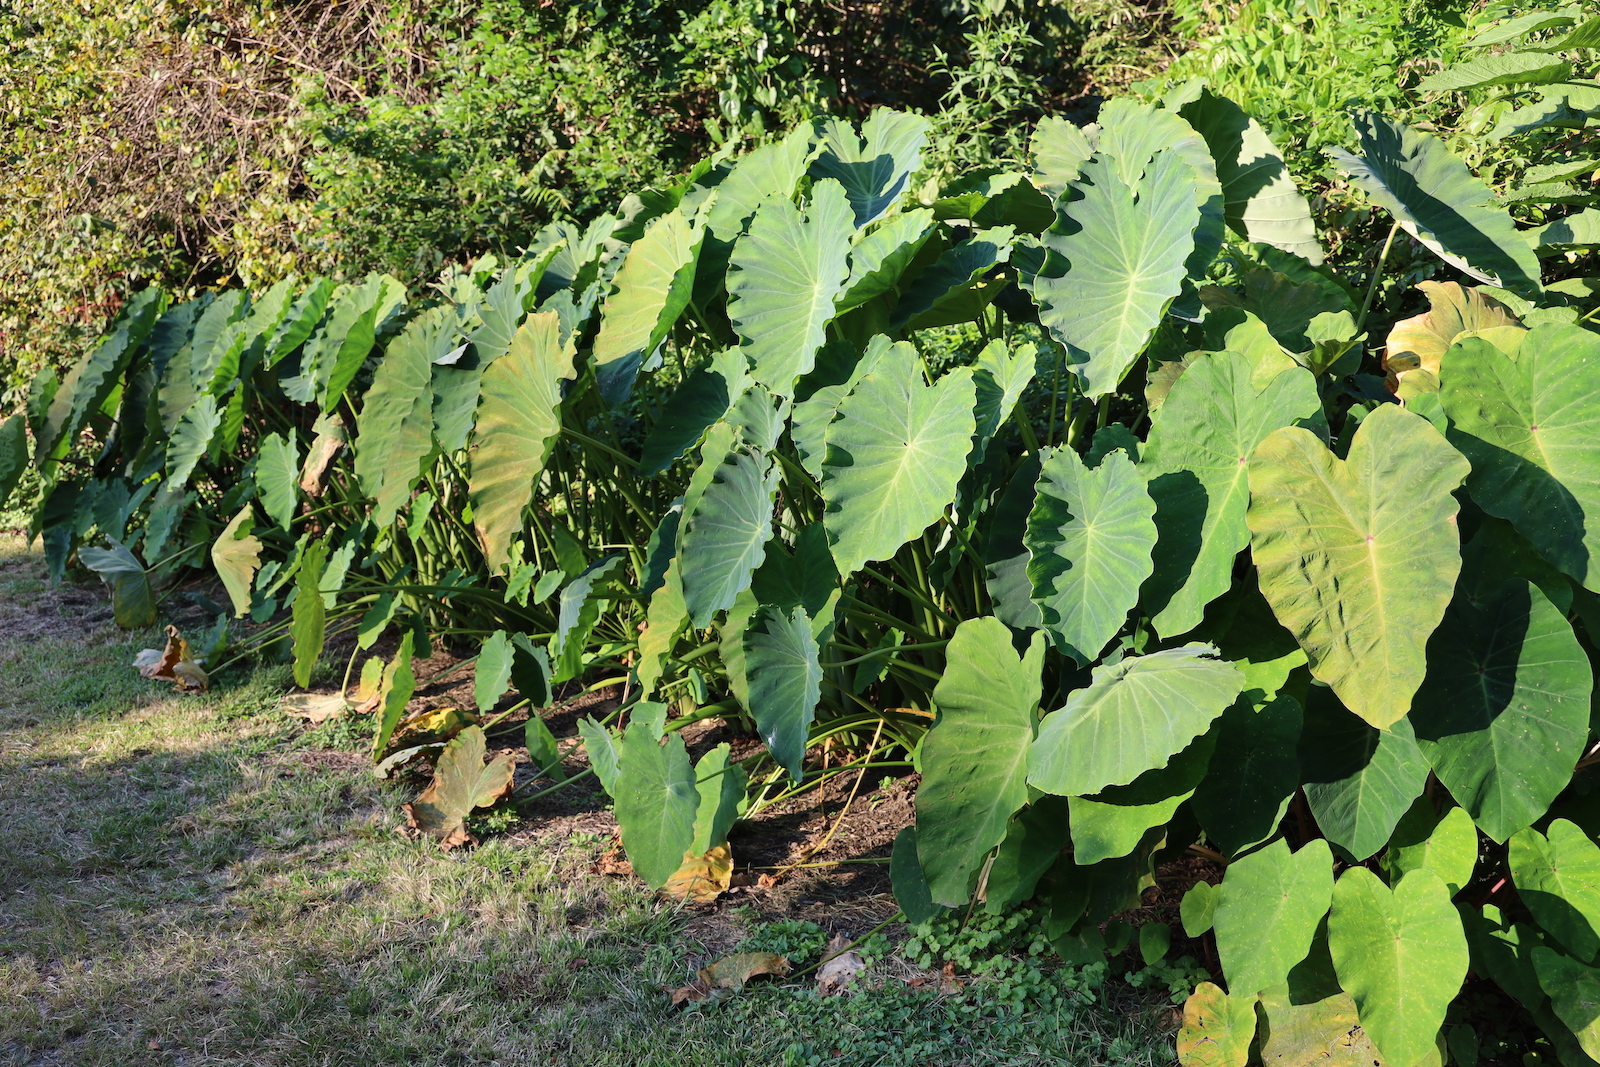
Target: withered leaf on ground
701, 879
840, 967
728, 975
432, 725
461, 782
315, 707
175, 664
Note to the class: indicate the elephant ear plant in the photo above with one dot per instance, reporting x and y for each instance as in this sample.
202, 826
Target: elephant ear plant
1153, 568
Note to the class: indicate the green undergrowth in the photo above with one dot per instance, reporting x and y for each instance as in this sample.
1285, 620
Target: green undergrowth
198, 879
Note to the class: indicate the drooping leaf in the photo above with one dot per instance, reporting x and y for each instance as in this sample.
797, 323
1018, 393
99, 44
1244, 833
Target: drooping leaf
1217, 1028
650, 290
975, 758
518, 421
1437, 200
1117, 260
702, 876
461, 783
784, 681
530, 670
783, 279
1135, 715
394, 433
236, 556
543, 751
493, 673
602, 750
999, 378
1261, 201
1358, 780
1253, 774
911, 890
1380, 527
308, 627
1503, 714
1090, 535
1197, 463
578, 612
1401, 954
1558, 878
724, 537
1267, 911
1531, 427
875, 168
1035, 839
132, 603
896, 451
721, 785
1447, 846
394, 692
656, 801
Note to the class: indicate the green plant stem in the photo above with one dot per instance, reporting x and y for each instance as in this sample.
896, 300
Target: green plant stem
1377, 274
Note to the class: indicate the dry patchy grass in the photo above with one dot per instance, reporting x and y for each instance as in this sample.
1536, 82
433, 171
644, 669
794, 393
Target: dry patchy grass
197, 880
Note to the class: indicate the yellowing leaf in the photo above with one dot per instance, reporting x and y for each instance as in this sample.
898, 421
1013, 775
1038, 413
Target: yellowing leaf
315, 707
434, 724
702, 878
461, 782
1217, 1028
1417, 345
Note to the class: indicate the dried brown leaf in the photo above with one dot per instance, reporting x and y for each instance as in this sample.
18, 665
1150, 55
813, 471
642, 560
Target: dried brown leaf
702, 879
315, 707
174, 663
729, 975
433, 725
461, 782
841, 964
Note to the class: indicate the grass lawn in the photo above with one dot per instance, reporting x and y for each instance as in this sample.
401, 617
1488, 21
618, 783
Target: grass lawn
205, 880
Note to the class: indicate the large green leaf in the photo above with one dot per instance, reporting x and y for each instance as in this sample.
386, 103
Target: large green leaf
907, 880
278, 476
875, 168
650, 290
1558, 879
1261, 203
1136, 714
191, 439
1358, 780
657, 797
1059, 151
1436, 199
783, 279
785, 680
1358, 557
1197, 464
236, 556
92, 379
1090, 534
1036, 837
1116, 261
768, 171
725, 535
951, 289
1401, 954
1253, 776
1267, 911
1531, 427
132, 603
721, 786
1503, 713
1113, 821
975, 758
492, 673
394, 434
895, 453
309, 624
518, 421
394, 692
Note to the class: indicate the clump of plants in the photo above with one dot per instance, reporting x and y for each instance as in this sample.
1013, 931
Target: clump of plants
1176, 559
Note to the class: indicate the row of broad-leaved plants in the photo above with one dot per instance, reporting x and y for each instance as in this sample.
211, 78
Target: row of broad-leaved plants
1167, 564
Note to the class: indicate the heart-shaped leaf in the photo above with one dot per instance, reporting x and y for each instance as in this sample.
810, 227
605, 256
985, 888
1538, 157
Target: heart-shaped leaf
1558, 878
1358, 780
1267, 911
1381, 528
461, 782
780, 662
656, 799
